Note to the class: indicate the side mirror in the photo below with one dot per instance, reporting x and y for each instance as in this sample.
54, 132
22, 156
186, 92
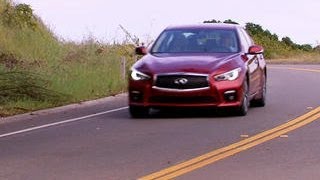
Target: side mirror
255, 49
141, 50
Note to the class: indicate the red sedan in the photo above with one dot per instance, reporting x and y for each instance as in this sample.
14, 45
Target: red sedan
209, 65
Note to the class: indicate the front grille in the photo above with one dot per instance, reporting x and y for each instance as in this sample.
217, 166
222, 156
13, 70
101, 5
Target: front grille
182, 81
182, 100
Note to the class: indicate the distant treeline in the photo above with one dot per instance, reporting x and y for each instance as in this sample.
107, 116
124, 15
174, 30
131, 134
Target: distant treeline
274, 47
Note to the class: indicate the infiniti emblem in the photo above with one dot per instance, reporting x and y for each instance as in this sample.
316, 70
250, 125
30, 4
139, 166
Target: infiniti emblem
181, 81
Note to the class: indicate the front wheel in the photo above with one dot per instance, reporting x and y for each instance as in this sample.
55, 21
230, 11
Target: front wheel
138, 111
243, 109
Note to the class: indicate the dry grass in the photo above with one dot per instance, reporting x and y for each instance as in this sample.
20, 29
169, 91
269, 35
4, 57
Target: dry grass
298, 58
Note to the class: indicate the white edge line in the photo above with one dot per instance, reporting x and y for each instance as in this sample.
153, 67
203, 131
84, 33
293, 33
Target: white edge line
61, 122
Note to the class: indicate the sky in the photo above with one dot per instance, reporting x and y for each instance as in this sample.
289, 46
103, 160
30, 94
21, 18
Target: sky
77, 20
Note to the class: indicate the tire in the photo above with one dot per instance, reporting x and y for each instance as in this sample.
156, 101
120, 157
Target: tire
261, 100
244, 107
138, 111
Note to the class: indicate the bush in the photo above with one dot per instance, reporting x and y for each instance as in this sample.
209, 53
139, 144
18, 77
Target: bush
15, 85
20, 16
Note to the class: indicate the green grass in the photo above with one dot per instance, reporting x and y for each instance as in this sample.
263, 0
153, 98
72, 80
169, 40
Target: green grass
88, 75
24, 105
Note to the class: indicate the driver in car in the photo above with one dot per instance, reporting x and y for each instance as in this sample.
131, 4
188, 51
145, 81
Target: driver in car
227, 42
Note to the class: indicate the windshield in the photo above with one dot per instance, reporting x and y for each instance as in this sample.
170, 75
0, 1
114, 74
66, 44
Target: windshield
197, 41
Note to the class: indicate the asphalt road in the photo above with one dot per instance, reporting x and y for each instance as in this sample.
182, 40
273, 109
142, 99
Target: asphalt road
97, 140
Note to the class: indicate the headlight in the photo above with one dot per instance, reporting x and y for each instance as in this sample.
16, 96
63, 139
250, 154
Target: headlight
138, 76
228, 76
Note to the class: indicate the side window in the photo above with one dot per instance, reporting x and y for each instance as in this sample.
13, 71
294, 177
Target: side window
244, 42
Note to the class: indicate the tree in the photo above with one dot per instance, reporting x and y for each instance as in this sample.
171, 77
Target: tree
288, 41
254, 29
20, 15
317, 48
229, 21
212, 21
306, 47
275, 37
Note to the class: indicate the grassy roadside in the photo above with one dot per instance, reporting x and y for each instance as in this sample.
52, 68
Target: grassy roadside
81, 72
299, 58
38, 70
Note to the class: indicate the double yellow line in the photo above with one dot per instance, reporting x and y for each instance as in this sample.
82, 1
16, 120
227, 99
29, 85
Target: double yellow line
235, 148
216, 155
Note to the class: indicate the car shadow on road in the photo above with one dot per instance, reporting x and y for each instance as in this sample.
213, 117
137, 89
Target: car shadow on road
190, 113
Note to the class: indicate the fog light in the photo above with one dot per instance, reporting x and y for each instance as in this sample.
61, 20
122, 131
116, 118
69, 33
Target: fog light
230, 95
136, 96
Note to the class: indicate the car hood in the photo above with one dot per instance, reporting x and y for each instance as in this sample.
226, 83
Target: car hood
191, 63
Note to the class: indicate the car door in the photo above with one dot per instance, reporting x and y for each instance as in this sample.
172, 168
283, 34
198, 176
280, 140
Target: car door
252, 63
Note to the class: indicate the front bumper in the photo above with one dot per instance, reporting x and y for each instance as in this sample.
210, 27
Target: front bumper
218, 94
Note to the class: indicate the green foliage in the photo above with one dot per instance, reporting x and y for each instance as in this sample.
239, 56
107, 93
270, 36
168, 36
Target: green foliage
288, 41
20, 16
273, 47
257, 30
306, 47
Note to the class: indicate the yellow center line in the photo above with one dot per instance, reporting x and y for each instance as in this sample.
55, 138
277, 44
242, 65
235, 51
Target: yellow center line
216, 155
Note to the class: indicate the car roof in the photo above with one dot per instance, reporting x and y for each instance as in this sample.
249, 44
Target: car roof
205, 26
